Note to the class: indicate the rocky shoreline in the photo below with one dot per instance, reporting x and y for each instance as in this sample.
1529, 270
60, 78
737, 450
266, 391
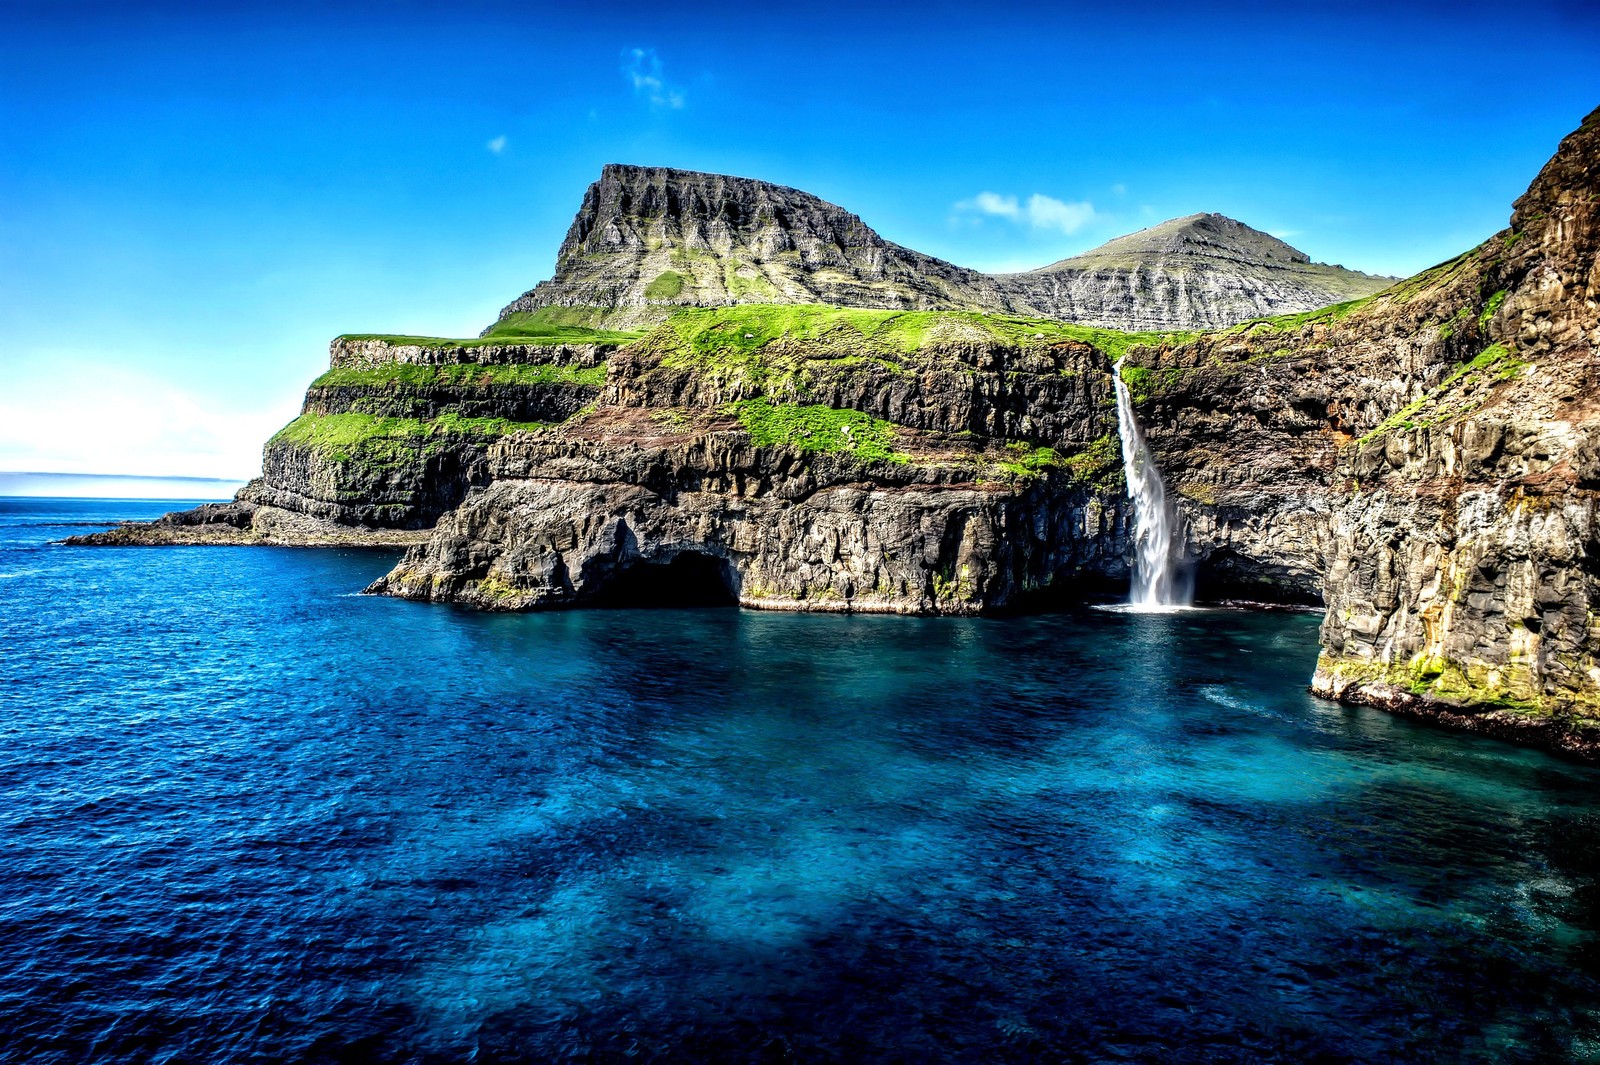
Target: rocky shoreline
1567, 735
243, 524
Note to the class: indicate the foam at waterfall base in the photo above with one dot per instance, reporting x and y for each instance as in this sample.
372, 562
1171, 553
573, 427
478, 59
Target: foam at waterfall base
1150, 608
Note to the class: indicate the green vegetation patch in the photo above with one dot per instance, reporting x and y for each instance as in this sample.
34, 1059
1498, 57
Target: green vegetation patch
1024, 464
1447, 329
1096, 464
547, 325
741, 279
1481, 687
1497, 362
1284, 323
1433, 277
391, 441
667, 285
818, 428
461, 374
732, 332
1491, 308
1144, 382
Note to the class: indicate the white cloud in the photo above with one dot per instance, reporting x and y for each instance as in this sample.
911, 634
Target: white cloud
642, 68
497, 145
1045, 212
1038, 211
994, 203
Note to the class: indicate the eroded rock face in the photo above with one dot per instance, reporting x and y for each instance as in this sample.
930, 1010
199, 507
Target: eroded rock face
1467, 560
649, 239
788, 533
1204, 271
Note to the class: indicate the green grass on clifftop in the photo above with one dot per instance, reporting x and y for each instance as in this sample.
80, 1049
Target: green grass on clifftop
732, 335
818, 428
388, 441
548, 325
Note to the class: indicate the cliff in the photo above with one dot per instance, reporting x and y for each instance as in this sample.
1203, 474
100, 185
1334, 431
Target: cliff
1421, 460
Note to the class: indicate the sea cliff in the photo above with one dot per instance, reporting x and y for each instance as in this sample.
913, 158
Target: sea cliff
1421, 461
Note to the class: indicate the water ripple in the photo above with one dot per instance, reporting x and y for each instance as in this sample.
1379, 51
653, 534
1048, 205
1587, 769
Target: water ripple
252, 816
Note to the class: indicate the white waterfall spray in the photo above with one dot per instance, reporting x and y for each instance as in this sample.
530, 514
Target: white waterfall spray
1158, 578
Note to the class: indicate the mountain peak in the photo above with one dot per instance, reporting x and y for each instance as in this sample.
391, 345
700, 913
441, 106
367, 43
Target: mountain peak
649, 238
1570, 179
1203, 236
1202, 270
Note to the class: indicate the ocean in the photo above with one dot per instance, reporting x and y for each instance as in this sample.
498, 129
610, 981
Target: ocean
250, 815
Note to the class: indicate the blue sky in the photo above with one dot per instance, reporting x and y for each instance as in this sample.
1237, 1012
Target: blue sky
194, 201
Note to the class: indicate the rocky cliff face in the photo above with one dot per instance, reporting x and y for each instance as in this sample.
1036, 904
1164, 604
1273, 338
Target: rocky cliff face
1468, 558
809, 459
1441, 443
1204, 271
646, 240
649, 238
1424, 461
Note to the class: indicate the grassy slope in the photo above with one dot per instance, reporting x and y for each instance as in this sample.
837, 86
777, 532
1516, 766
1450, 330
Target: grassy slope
746, 339
390, 441
725, 333
549, 325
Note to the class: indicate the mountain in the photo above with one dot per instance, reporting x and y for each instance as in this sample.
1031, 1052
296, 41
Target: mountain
1423, 462
1202, 271
649, 239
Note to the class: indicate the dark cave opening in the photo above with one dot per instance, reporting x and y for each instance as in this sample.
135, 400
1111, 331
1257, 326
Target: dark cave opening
1226, 577
690, 579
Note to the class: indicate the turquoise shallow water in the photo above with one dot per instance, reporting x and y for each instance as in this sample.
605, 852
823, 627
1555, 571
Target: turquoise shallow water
250, 816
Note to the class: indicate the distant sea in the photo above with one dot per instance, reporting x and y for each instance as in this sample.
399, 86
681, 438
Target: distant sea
249, 815
112, 486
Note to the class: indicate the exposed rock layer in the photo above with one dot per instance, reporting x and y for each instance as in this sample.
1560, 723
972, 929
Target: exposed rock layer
647, 239
1200, 272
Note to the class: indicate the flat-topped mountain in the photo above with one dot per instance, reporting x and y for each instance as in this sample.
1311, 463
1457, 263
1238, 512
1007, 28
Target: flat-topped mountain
647, 239
651, 238
1204, 270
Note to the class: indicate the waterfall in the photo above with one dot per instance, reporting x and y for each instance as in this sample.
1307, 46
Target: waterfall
1158, 578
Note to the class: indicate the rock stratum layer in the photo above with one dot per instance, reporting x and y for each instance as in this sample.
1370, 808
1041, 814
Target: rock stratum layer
1205, 271
648, 239
1422, 461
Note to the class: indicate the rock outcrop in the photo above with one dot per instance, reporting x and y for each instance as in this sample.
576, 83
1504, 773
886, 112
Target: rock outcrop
646, 240
837, 466
1467, 568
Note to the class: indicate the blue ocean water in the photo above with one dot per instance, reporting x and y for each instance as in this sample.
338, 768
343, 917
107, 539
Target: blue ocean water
249, 816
